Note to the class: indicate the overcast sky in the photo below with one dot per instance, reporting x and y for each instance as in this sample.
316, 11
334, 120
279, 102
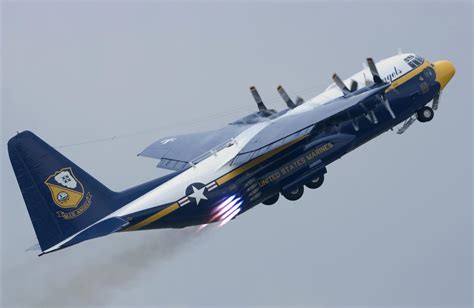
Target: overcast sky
391, 226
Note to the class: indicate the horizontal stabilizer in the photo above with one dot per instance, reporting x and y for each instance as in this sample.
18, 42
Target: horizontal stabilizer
100, 229
65, 204
179, 152
35, 247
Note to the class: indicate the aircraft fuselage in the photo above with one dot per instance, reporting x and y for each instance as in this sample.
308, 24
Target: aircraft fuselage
292, 165
224, 173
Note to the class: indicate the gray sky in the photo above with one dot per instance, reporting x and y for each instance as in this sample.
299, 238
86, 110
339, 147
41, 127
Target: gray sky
392, 226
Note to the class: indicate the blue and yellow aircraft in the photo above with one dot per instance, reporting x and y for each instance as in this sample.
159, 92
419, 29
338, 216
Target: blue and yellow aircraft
220, 174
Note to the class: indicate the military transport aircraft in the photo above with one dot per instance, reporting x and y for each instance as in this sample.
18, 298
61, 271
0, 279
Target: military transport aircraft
220, 174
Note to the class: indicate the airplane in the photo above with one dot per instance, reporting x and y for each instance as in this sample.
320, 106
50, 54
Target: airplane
218, 175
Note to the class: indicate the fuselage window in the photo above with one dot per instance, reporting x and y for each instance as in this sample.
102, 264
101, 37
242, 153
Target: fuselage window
429, 74
414, 61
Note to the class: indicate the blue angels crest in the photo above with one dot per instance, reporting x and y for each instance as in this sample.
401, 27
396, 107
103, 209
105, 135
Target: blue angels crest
66, 190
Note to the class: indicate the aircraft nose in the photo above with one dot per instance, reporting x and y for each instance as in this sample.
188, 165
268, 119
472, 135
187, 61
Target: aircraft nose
444, 72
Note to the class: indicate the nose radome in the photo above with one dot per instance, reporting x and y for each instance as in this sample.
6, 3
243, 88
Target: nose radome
444, 72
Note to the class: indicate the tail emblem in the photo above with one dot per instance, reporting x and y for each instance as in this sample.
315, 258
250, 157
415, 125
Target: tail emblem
66, 190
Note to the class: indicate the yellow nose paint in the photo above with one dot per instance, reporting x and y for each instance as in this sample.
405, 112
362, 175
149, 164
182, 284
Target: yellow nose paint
444, 72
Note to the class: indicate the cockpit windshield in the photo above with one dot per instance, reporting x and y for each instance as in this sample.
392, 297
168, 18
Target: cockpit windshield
414, 61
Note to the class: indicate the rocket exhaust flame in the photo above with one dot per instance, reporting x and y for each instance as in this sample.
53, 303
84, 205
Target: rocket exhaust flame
224, 210
223, 204
202, 227
232, 209
229, 218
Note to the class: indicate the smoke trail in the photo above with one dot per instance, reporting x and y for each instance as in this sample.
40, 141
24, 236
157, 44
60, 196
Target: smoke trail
93, 282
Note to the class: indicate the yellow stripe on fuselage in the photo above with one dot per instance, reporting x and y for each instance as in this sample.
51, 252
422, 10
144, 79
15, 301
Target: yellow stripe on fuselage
236, 172
398, 82
173, 207
219, 181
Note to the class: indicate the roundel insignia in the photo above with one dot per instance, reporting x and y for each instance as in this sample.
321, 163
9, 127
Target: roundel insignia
197, 192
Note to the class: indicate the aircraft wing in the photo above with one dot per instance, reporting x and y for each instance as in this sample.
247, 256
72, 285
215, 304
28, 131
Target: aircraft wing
291, 127
177, 152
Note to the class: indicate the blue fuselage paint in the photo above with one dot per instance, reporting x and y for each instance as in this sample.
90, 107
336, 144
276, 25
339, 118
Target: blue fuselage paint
304, 160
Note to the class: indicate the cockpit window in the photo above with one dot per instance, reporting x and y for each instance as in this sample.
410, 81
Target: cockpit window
414, 61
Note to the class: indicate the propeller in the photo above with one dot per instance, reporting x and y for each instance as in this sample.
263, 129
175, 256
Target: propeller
338, 81
355, 124
340, 84
379, 81
354, 85
367, 81
261, 106
387, 106
374, 71
372, 117
286, 98
299, 100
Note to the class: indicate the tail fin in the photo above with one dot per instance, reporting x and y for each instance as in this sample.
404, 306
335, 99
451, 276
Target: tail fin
61, 198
